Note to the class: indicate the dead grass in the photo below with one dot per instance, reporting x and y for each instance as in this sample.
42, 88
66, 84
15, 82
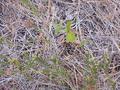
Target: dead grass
34, 53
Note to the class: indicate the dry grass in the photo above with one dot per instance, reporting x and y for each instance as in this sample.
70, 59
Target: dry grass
34, 53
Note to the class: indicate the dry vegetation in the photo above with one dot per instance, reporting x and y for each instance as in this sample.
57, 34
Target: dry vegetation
59, 44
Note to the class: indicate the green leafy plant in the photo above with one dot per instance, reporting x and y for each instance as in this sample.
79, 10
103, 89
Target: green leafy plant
70, 36
91, 71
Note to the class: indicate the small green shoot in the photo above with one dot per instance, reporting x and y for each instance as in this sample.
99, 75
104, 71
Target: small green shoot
70, 36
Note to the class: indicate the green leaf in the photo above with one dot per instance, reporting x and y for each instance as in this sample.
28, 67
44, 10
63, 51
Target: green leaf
70, 37
68, 26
